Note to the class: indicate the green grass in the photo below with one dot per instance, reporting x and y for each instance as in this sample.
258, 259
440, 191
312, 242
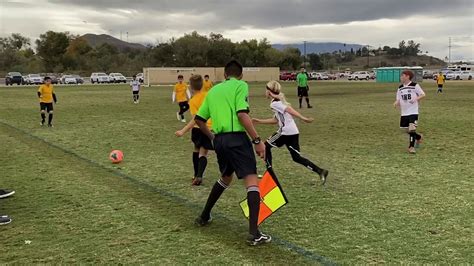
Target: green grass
381, 204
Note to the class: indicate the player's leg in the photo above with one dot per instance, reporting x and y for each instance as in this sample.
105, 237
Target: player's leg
294, 149
202, 164
306, 94
138, 96
181, 111
300, 96
221, 185
195, 161
43, 113
50, 114
412, 133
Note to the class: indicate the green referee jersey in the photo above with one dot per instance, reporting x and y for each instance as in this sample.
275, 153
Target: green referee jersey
302, 80
223, 103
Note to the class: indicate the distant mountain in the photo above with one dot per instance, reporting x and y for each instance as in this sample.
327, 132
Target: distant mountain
96, 40
323, 47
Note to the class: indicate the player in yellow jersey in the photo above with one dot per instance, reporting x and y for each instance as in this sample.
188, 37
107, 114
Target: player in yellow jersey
47, 97
440, 81
202, 143
207, 84
181, 95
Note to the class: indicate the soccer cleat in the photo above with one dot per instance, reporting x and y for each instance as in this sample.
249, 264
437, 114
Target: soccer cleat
42, 123
197, 181
310, 106
259, 240
201, 222
411, 150
6, 193
419, 141
183, 120
50, 125
178, 116
324, 176
4, 219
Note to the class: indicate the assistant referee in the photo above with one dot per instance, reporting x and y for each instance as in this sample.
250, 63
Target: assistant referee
227, 105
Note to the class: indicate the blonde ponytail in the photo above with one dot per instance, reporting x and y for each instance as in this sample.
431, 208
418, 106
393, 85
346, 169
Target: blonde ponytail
275, 91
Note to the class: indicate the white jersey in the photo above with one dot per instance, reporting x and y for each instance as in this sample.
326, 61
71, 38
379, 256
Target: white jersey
406, 95
286, 123
135, 84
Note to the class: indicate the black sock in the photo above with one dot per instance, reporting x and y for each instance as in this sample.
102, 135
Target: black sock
215, 194
307, 101
268, 154
253, 201
301, 101
296, 156
138, 97
43, 117
412, 139
202, 163
195, 163
50, 119
182, 116
417, 136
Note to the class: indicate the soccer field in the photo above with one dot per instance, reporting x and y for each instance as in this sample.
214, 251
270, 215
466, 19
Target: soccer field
381, 204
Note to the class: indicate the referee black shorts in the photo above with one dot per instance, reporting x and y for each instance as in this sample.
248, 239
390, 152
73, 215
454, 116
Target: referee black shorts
303, 91
235, 154
200, 139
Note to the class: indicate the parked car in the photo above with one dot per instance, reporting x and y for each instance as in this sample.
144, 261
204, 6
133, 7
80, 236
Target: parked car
428, 74
99, 77
68, 79
372, 74
450, 75
287, 76
359, 75
332, 76
79, 79
54, 79
463, 75
13, 78
345, 74
140, 77
34, 79
314, 76
117, 78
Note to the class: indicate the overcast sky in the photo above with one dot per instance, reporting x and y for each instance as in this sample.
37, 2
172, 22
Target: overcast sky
373, 22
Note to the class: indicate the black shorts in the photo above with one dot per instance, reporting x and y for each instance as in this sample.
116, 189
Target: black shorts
405, 121
200, 140
303, 91
46, 106
135, 92
278, 140
235, 154
440, 85
183, 107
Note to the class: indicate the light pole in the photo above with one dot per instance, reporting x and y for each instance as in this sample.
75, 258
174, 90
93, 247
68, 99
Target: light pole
304, 56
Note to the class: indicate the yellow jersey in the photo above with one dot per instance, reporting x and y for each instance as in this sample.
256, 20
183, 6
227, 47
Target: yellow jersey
46, 93
196, 102
440, 79
180, 90
207, 85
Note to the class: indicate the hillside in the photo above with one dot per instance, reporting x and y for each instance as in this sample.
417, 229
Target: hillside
96, 40
323, 47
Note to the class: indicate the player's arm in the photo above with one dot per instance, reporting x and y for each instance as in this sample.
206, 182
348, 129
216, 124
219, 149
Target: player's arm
396, 104
186, 128
40, 91
173, 97
419, 91
295, 113
269, 121
54, 98
188, 93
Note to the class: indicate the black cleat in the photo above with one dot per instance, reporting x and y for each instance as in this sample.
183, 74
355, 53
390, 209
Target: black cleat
201, 222
259, 240
324, 176
4, 219
310, 106
6, 193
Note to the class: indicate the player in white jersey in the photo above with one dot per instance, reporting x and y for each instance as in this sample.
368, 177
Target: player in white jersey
287, 133
135, 85
408, 96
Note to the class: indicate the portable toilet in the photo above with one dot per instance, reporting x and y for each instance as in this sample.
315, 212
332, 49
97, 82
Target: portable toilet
392, 74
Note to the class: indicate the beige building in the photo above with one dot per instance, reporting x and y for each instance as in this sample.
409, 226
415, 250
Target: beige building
169, 75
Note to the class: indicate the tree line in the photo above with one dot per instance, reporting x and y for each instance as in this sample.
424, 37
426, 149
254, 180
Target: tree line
62, 52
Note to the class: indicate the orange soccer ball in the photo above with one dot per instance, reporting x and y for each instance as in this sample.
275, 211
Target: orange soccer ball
116, 156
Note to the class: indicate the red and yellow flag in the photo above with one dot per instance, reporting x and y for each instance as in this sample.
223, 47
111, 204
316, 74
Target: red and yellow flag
272, 197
